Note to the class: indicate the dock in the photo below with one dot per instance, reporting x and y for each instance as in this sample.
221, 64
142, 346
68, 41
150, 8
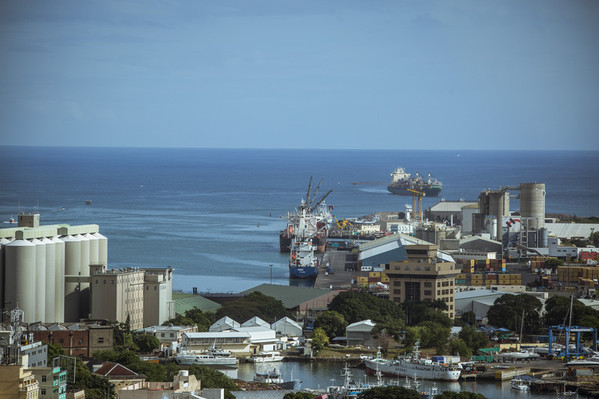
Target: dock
337, 269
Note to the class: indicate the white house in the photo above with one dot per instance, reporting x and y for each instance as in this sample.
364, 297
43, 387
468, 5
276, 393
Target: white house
287, 327
255, 322
360, 333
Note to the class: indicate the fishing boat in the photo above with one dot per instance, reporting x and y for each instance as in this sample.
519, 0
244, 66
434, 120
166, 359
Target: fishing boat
274, 377
414, 366
519, 384
349, 390
212, 357
266, 357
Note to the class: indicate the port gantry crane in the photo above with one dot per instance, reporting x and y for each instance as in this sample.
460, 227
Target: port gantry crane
417, 194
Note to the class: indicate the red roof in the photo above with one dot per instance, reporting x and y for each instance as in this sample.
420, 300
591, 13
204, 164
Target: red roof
115, 370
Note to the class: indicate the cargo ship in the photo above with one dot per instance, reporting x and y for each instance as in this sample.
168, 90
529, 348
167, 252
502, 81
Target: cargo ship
306, 225
402, 182
414, 366
317, 219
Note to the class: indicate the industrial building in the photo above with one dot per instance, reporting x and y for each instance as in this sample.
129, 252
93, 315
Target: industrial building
58, 273
45, 269
143, 295
428, 275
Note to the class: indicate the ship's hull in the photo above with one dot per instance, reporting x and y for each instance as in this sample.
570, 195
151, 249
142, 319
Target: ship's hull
285, 242
303, 271
402, 189
406, 368
206, 361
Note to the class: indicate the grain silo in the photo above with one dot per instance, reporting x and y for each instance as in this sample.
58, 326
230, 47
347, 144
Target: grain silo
50, 280
102, 249
40, 280
532, 205
20, 277
93, 249
3, 242
72, 266
59, 281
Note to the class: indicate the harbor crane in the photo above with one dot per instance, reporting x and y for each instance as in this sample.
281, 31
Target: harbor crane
417, 194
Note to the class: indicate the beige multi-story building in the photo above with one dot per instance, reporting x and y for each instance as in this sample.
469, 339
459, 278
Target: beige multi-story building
16, 382
118, 293
52, 382
424, 277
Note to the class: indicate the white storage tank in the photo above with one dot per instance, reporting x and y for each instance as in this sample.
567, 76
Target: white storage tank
102, 249
50, 280
40, 280
84, 255
532, 204
93, 249
3, 242
72, 266
20, 277
59, 281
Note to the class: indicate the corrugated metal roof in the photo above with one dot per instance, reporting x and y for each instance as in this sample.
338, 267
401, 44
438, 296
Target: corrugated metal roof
290, 296
184, 302
450, 206
570, 230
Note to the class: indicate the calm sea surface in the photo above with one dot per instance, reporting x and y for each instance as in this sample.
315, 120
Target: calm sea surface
214, 214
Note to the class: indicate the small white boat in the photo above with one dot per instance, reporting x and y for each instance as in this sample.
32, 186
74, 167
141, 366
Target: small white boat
266, 357
519, 384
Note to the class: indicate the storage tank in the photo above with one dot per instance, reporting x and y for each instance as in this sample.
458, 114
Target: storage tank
50, 280
59, 281
543, 237
40, 280
102, 249
3, 242
93, 248
532, 204
84, 294
72, 267
20, 277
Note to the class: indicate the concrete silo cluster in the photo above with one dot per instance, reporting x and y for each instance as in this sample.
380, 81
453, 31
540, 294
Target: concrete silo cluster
45, 270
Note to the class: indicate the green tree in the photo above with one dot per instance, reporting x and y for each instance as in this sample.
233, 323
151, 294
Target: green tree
146, 343
433, 335
95, 386
557, 310
553, 263
417, 312
332, 323
473, 338
319, 340
389, 392
54, 350
298, 395
254, 304
460, 395
457, 346
469, 318
357, 306
508, 309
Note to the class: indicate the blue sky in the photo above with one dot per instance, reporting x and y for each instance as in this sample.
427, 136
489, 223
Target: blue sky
390, 74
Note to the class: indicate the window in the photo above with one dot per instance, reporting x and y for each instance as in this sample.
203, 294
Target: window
147, 287
104, 281
43, 378
80, 341
60, 340
427, 292
427, 284
43, 391
162, 335
100, 340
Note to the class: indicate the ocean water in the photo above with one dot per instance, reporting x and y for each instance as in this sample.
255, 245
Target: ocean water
214, 214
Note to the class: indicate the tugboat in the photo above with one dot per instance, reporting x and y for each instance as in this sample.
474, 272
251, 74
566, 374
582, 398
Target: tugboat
402, 182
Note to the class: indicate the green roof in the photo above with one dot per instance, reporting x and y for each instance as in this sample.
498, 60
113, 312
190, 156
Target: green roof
184, 302
290, 296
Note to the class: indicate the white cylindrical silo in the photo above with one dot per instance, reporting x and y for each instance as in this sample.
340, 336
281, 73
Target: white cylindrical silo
50, 280
93, 249
59, 280
20, 278
532, 204
84, 255
72, 266
40, 280
3, 242
102, 249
